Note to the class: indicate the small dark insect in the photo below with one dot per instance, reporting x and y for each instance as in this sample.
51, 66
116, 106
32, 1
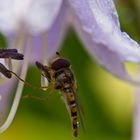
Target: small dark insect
9, 53
60, 74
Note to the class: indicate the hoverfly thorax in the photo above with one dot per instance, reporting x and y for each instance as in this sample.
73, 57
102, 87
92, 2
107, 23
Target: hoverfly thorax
62, 74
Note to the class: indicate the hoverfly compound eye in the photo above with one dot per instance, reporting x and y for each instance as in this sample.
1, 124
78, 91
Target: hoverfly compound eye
60, 63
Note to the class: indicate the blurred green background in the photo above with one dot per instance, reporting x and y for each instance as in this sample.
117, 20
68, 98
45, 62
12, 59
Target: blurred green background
107, 102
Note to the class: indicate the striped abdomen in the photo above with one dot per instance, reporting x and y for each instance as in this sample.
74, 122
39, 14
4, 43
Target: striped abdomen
64, 81
71, 105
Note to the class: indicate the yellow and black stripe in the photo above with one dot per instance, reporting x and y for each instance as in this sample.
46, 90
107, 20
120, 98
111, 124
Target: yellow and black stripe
73, 110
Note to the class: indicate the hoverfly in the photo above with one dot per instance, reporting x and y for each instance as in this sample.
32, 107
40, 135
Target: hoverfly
61, 76
59, 73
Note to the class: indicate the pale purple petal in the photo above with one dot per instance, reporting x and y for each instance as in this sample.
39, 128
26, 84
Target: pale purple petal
5, 98
136, 116
56, 33
99, 29
54, 36
95, 21
36, 49
41, 14
11, 97
38, 15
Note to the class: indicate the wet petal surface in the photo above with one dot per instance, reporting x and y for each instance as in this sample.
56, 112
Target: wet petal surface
99, 29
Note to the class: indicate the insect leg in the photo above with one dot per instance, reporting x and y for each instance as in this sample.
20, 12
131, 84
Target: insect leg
41, 98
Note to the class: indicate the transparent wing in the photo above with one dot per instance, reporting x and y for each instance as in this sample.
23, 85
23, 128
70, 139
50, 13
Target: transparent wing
80, 109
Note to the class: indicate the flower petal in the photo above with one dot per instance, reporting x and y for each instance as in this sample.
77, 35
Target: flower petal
56, 33
5, 96
54, 37
8, 107
136, 122
99, 29
41, 14
36, 14
11, 12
